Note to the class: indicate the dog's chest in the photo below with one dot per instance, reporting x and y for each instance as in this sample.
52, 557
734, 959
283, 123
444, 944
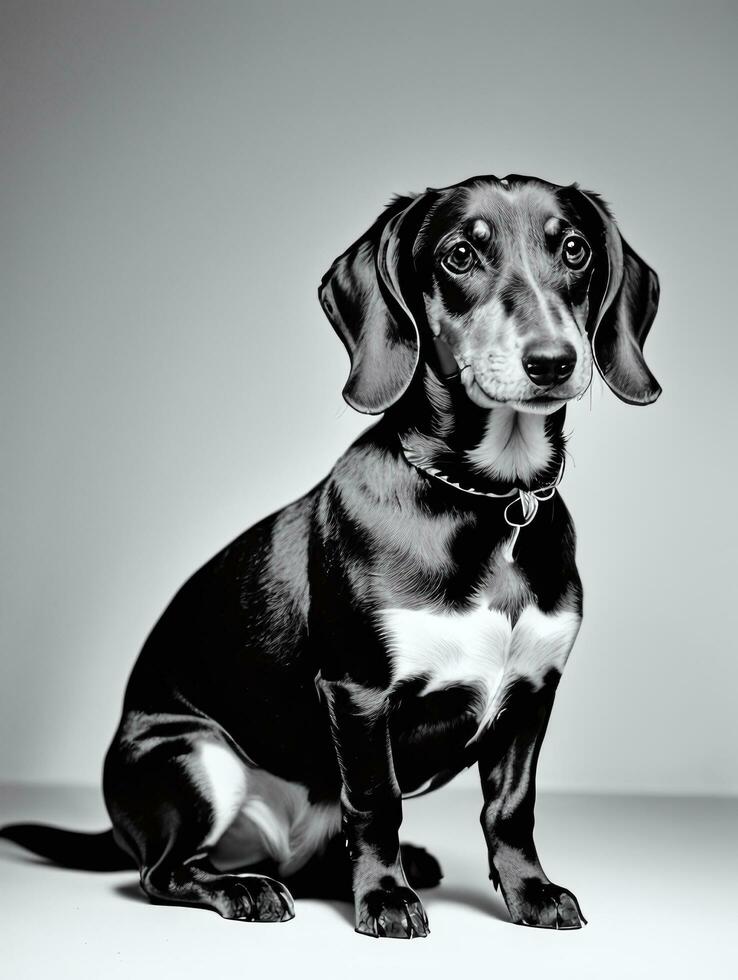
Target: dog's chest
482, 648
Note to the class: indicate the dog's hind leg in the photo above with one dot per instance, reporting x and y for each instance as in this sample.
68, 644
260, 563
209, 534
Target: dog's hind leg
173, 786
328, 873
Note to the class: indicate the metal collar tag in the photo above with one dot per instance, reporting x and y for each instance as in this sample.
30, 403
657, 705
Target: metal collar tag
520, 512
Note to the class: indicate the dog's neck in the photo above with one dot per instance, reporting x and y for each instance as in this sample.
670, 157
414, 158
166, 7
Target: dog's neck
491, 450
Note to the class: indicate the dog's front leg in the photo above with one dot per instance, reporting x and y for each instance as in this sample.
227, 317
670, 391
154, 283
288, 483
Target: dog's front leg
507, 766
372, 812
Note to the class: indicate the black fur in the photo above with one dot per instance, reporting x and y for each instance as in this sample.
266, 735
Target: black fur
274, 652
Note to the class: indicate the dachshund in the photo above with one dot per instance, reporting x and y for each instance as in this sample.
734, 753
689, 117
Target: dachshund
411, 615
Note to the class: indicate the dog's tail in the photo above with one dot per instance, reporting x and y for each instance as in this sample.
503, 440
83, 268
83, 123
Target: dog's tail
70, 849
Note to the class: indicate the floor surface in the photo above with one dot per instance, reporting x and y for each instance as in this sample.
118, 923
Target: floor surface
656, 877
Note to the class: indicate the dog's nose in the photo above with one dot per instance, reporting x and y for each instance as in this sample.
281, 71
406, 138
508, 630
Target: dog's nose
546, 368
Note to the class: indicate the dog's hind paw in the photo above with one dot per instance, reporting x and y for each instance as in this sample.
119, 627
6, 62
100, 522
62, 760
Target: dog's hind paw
421, 868
254, 898
546, 906
392, 913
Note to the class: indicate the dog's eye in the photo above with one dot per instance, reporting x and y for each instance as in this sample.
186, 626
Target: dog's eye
575, 252
459, 258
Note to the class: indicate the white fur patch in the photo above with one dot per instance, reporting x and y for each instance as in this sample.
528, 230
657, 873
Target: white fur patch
221, 776
514, 446
258, 815
538, 293
478, 648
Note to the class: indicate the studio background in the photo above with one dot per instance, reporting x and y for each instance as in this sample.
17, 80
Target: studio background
176, 177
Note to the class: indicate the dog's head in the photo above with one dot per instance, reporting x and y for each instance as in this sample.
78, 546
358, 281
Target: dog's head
518, 284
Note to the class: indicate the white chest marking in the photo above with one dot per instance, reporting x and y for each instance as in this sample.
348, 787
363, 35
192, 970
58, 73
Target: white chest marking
478, 648
514, 446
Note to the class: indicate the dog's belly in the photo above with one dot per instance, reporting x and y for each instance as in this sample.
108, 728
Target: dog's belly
478, 650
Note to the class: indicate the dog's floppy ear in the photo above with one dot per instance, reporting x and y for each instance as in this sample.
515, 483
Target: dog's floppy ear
624, 298
366, 295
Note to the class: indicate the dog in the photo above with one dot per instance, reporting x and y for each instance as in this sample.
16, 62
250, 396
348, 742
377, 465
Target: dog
411, 615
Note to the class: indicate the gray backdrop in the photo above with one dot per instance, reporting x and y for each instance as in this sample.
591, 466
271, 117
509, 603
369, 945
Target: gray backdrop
176, 178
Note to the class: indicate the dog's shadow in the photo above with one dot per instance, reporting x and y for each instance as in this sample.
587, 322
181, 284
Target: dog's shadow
130, 890
473, 898
485, 901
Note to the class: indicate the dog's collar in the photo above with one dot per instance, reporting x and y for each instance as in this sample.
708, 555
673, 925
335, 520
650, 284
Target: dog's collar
523, 505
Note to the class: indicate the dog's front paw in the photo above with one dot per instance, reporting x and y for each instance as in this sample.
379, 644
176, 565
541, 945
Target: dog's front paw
392, 911
545, 905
